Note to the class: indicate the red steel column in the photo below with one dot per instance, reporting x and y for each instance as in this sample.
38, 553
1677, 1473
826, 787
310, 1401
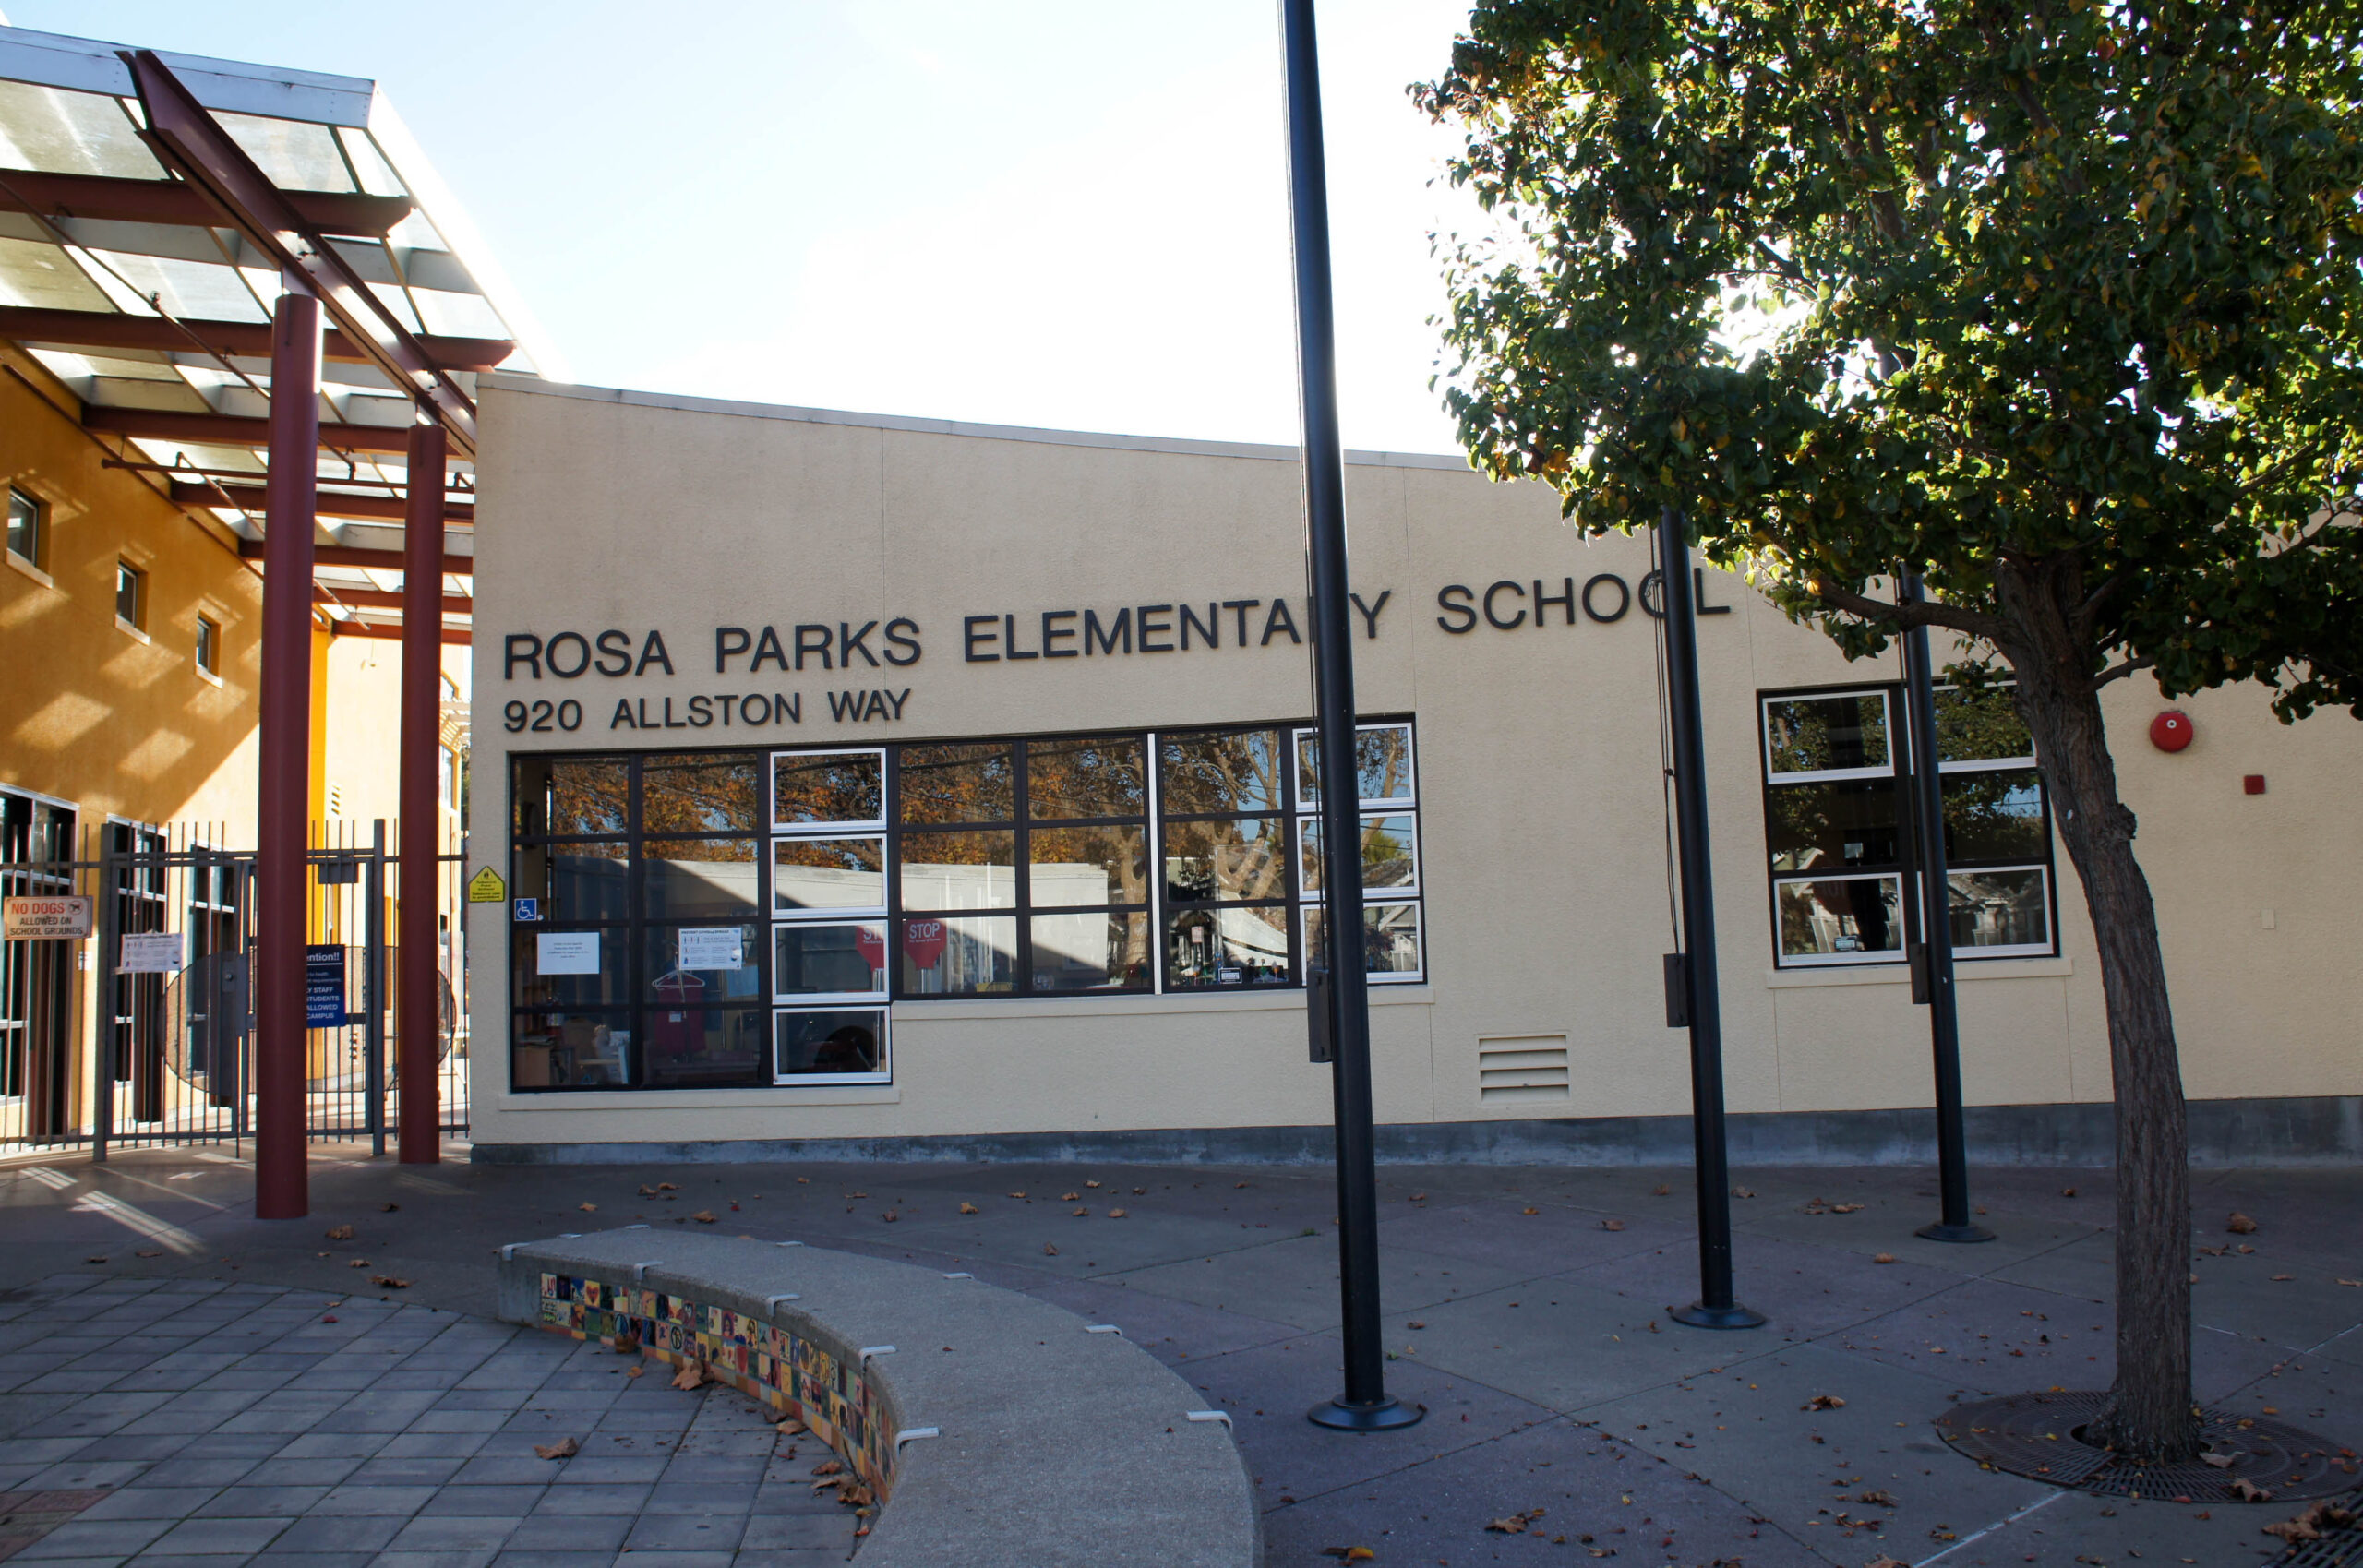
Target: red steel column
282, 878
418, 1047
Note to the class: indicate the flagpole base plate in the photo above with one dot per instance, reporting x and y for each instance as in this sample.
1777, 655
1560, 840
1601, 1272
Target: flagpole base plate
1700, 1315
1941, 1231
1387, 1415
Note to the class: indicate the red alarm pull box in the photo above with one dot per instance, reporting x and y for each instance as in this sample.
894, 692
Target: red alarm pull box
2252, 783
2172, 730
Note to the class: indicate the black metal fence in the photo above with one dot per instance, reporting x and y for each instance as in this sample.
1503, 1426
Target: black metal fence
140, 1031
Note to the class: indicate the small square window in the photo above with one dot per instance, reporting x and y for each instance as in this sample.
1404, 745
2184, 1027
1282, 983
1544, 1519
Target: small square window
131, 595
208, 645
28, 530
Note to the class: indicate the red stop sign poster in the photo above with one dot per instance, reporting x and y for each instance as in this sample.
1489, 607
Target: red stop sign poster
923, 942
872, 945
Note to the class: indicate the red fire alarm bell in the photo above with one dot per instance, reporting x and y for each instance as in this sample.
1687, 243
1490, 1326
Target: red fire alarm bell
2171, 730
2253, 783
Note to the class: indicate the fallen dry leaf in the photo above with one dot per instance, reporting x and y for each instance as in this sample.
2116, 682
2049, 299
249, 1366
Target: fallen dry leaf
2221, 1461
1417, 1197
857, 1194
1877, 1498
828, 1467
1140, 1191
969, 1209
1069, 1197
691, 1374
1612, 1225
2247, 1491
341, 1233
588, 1208
1513, 1526
790, 1427
564, 1448
1049, 1251
2292, 1531
669, 1187
890, 1216
147, 1254
1883, 1257
358, 1263
1662, 1191
648, 1192
1115, 1213
2066, 1192
1530, 1210
1883, 1561
1091, 1184
1824, 1402
388, 1281
703, 1216
1080, 1213
1742, 1192
2282, 1276
2358, 1284
2240, 1224
1018, 1194
635, 1372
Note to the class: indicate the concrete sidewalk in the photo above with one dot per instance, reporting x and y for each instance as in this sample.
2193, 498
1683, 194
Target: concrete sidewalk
1524, 1309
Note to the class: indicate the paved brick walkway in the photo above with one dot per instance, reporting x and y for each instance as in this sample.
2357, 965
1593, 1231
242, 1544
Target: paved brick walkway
235, 1423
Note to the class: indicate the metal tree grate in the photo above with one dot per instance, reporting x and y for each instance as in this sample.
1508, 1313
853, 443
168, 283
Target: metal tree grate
2341, 1548
2039, 1436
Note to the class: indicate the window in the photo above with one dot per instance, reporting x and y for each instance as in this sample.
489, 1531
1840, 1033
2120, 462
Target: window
1838, 826
829, 902
27, 528
727, 919
208, 645
1392, 948
131, 595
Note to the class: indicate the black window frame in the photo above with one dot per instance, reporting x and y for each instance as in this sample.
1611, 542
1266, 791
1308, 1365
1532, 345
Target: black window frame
1903, 867
1291, 904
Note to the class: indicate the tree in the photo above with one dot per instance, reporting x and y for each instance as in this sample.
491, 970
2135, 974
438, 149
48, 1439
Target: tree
2056, 305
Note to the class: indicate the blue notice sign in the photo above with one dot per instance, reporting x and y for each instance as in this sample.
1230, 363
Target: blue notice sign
324, 986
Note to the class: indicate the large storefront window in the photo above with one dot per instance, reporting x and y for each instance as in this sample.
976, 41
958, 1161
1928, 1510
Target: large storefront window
1838, 826
741, 919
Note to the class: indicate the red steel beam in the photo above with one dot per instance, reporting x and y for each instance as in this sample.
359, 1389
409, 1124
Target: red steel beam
174, 201
451, 636
245, 339
351, 556
283, 875
251, 497
189, 139
418, 1043
238, 430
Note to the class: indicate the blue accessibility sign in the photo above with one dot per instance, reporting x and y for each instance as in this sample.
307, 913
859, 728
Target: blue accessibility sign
529, 909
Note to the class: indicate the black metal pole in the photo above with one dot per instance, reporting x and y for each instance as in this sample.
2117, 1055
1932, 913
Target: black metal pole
1715, 1307
1365, 1405
1935, 954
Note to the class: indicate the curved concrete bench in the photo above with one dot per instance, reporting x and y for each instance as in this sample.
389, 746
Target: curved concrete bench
993, 1427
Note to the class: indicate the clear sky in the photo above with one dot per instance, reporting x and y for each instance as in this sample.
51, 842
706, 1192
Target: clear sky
1034, 212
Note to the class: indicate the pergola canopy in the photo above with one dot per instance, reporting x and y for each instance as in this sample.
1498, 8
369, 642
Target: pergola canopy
150, 297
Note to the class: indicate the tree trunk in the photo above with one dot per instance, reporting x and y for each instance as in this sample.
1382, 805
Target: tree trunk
2151, 1414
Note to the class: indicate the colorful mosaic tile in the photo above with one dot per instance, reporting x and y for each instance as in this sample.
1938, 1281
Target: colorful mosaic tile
762, 1359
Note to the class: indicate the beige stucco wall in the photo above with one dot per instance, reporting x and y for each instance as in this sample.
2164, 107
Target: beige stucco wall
1543, 852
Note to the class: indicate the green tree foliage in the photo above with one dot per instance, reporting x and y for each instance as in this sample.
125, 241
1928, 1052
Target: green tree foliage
2059, 305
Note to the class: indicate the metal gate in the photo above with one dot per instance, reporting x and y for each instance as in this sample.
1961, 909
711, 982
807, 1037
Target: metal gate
142, 1033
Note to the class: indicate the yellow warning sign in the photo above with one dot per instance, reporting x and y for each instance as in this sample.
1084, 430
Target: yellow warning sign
485, 887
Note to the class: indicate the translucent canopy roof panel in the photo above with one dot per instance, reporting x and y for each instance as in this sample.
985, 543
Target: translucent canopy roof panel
148, 305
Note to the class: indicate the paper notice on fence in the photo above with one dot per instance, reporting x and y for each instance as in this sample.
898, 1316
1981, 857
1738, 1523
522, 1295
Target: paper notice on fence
566, 952
711, 947
155, 953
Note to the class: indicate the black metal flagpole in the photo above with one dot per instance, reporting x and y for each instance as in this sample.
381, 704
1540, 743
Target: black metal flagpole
1365, 1405
1935, 959
1715, 1307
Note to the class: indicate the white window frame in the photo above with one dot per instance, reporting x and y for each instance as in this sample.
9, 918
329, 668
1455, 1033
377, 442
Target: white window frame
879, 1001
1306, 806
771, 783
1783, 959
1776, 777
